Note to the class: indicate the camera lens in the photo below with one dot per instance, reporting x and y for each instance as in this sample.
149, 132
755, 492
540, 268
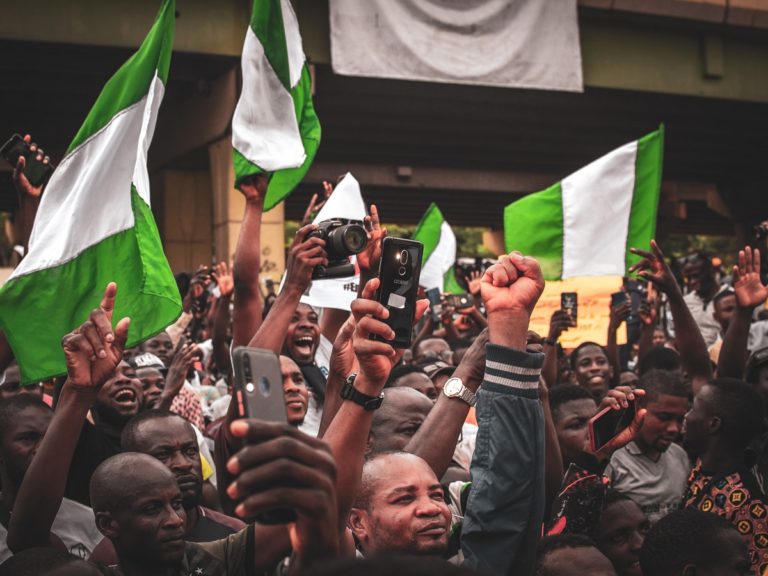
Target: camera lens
354, 238
404, 257
264, 387
402, 270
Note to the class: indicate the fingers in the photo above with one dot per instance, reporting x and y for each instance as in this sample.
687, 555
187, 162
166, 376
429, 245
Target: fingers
301, 234
374, 213
421, 308
657, 251
102, 325
257, 431
528, 266
121, 334
368, 326
643, 253
369, 290
756, 259
108, 301
743, 262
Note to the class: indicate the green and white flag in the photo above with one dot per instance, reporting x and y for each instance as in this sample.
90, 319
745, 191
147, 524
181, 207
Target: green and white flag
439, 252
275, 128
94, 224
585, 225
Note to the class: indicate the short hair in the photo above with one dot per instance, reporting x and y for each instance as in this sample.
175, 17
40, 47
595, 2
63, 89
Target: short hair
659, 358
576, 351
43, 561
129, 438
108, 481
662, 382
740, 408
403, 370
682, 537
368, 479
550, 544
724, 291
10, 408
564, 393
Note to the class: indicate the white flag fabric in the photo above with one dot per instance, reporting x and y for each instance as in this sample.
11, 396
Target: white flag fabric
508, 43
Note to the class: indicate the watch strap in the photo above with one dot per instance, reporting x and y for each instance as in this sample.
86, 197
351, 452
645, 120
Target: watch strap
348, 392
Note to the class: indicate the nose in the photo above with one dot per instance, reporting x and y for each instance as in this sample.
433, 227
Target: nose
179, 462
675, 426
428, 507
174, 519
636, 541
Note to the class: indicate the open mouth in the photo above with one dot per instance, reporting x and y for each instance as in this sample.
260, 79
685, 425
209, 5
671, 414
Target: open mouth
304, 344
125, 397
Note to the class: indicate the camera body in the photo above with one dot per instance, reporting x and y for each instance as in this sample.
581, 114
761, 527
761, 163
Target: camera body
343, 238
761, 231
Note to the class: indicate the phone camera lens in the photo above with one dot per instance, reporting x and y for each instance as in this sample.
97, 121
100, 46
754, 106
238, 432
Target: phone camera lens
404, 257
402, 270
264, 387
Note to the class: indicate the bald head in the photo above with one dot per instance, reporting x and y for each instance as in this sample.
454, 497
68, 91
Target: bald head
383, 469
432, 349
402, 413
120, 478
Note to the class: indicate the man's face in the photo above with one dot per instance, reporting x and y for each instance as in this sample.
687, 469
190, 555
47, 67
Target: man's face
620, 535
161, 346
401, 415
173, 442
433, 349
663, 422
149, 522
12, 385
593, 371
119, 399
295, 391
724, 310
732, 558
571, 423
659, 338
419, 382
628, 378
692, 275
19, 443
303, 335
697, 421
152, 385
577, 562
407, 513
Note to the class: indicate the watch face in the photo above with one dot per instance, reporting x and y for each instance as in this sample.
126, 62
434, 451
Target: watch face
452, 387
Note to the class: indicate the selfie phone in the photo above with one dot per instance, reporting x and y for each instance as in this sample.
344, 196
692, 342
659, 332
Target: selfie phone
618, 298
258, 393
636, 292
569, 301
433, 295
460, 301
606, 424
399, 273
36, 172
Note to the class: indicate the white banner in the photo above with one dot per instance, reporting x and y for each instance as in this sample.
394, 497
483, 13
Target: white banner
508, 43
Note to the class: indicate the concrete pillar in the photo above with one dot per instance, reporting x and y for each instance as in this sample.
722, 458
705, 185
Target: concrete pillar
228, 208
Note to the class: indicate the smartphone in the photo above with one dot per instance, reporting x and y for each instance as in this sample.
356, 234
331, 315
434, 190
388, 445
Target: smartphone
636, 292
460, 301
435, 305
36, 172
618, 298
569, 301
399, 273
606, 424
258, 393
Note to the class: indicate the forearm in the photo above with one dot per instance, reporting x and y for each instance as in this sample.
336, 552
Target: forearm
245, 269
219, 335
506, 505
331, 322
332, 402
549, 370
451, 334
690, 342
613, 352
553, 463
645, 342
734, 353
28, 211
44, 483
478, 318
6, 354
271, 333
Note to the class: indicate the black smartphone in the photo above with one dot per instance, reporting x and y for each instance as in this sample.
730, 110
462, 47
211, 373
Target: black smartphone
460, 301
636, 292
435, 304
618, 298
36, 172
258, 393
606, 424
569, 301
399, 273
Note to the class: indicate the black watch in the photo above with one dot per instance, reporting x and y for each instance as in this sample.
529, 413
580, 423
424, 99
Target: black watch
348, 392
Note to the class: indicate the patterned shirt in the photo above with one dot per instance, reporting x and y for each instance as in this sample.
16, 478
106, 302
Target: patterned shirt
738, 498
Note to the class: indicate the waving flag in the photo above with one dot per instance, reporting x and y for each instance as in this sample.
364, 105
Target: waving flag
439, 252
275, 128
94, 224
585, 225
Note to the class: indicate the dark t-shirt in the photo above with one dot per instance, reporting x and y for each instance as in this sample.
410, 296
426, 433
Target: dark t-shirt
96, 444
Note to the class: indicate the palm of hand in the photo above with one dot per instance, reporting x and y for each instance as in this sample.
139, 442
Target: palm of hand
750, 291
474, 285
226, 284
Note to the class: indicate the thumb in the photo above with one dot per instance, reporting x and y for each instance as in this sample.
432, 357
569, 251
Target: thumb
121, 333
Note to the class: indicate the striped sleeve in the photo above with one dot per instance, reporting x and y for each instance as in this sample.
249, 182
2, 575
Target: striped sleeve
509, 371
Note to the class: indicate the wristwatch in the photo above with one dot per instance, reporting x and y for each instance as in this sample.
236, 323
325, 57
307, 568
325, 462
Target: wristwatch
454, 388
348, 392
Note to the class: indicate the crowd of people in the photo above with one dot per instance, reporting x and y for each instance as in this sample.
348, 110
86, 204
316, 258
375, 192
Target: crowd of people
467, 453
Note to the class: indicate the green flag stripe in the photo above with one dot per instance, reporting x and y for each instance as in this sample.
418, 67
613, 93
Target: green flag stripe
132, 81
283, 182
151, 301
267, 24
451, 284
428, 231
645, 200
534, 225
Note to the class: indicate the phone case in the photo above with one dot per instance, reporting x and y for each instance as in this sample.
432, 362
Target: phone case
399, 273
611, 423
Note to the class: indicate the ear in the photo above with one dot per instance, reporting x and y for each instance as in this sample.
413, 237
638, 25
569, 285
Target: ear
689, 570
358, 524
715, 425
107, 525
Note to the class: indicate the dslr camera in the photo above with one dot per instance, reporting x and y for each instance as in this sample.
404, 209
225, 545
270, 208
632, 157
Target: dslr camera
343, 238
761, 231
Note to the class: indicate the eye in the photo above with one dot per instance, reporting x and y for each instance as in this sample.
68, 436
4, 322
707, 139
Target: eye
176, 504
406, 499
191, 451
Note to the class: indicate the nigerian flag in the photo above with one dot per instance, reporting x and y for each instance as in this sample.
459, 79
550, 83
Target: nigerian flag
94, 224
585, 225
439, 252
275, 128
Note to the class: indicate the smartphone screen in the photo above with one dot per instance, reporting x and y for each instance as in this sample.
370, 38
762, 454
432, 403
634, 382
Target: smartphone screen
461, 301
433, 295
36, 172
607, 423
399, 273
569, 301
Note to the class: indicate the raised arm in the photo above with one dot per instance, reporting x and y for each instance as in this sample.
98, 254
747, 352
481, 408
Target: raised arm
29, 196
221, 318
559, 323
618, 316
435, 440
750, 293
690, 342
506, 504
93, 352
247, 264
